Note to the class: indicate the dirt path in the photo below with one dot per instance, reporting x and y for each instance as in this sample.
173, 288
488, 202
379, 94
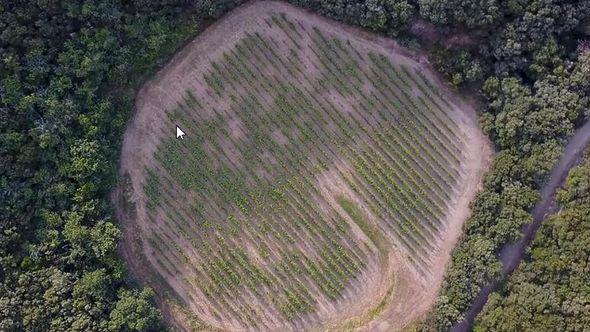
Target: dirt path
411, 296
513, 253
433, 35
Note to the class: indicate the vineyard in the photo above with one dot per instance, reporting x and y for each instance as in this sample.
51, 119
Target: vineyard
316, 167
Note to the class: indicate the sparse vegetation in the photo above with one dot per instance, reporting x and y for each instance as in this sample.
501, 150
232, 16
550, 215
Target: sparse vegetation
276, 121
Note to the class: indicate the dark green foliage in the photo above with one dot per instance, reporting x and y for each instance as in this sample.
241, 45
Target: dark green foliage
134, 312
530, 37
461, 12
537, 90
388, 16
549, 291
529, 126
68, 70
458, 65
536, 36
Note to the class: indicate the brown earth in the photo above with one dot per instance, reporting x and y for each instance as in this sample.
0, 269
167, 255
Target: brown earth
399, 295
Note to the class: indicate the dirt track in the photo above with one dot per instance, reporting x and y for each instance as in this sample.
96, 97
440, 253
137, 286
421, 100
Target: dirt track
513, 253
408, 301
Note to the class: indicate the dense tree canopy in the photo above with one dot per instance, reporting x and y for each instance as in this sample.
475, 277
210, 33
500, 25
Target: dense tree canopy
67, 73
549, 290
529, 125
461, 12
389, 16
537, 92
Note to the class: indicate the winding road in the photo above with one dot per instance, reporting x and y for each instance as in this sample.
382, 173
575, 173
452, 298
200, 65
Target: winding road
512, 253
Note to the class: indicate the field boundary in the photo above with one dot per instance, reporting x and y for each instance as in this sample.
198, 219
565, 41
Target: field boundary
147, 128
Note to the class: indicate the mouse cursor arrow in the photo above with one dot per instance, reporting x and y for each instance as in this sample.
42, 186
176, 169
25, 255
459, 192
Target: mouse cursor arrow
179, 133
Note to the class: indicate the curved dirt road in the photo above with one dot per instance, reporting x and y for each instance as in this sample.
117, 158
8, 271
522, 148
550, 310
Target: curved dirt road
512, 253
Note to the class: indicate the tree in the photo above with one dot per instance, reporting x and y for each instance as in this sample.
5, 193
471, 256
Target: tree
461, 12
549, 290
134, 312
68, 72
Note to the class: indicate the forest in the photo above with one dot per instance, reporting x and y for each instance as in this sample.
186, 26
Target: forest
69, 71
547, 292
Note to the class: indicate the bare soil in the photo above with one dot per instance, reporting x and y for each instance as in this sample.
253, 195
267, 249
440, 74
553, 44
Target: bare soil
398, 295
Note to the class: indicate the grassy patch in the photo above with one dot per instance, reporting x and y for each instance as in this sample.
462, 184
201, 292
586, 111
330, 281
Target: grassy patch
359, 218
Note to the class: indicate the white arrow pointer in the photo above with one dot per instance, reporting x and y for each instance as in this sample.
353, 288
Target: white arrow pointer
179, 133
